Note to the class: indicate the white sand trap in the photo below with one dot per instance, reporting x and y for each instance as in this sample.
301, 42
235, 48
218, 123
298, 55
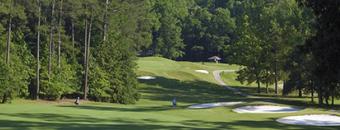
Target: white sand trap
146, 77
314, 120
202, 71
265, 109
211, 105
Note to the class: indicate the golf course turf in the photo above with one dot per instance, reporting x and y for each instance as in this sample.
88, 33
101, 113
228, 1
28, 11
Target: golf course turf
154, 110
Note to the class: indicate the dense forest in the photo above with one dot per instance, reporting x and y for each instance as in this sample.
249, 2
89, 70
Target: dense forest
54, 49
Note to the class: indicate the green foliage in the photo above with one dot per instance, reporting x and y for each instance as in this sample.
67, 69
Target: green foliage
324, 48
207, 32
299, 66
167, 32
169, 42
124, 18
112, 76
268, 32
266, 37
61, 82
15, 76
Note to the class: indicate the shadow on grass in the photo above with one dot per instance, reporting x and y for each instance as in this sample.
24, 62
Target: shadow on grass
130, 109
164, 89
82, 122
196, 91
288, 100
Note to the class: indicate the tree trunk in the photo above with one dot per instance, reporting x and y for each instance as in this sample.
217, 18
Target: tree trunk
312, 91
4, 98
59, 31
85, 64
88, 56
275, 78
51, 41
38, 53
267, 81
105, 21
73, 42
258, 83
275, 69
332, 96
300, 91
320, 95
85, 60
9, 31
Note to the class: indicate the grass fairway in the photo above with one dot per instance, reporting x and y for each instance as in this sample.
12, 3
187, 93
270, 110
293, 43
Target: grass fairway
153, 111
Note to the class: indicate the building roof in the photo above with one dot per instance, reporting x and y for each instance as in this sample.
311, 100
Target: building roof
214, 58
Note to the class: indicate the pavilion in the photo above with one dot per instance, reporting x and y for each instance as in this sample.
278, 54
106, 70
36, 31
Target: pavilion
215, 58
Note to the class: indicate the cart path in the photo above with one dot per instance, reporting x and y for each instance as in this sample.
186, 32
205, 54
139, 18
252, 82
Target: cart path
219, 80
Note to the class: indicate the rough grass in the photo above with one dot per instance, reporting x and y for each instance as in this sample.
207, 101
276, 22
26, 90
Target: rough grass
153, 111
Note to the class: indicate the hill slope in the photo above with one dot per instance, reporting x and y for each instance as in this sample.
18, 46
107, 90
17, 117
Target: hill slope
158, 66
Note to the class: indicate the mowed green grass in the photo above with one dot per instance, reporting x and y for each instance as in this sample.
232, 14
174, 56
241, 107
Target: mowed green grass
153, 111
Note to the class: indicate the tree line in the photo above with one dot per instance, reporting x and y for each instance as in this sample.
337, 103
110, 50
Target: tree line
289, 42
52, 49
295, 42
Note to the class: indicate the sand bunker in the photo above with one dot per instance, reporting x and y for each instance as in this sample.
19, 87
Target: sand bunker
146, 77
266, 109
211, 105
314, 120
202, 71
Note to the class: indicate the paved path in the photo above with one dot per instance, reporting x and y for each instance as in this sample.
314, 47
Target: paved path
218, 78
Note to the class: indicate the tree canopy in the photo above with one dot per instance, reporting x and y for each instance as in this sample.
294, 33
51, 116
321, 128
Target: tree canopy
52, 49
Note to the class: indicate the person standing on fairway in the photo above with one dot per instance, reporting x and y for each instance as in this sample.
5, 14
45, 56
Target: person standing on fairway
174, 102
77, 102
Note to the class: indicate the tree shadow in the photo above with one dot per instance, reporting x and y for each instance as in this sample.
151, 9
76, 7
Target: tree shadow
83, 122
80, 122
288, 100
272, 124
130, 109
196, 91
